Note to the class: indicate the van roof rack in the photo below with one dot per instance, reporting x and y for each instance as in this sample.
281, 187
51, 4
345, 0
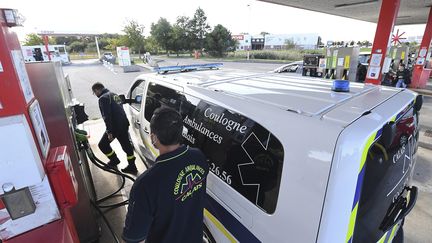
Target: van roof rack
187, 68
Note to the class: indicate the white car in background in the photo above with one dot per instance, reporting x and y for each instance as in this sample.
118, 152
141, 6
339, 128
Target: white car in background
292, 67
108, 56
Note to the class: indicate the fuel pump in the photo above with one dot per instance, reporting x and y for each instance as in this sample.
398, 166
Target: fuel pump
395, 56
52, 88
26, 195
312, 65
399, 55
341, 63
40, 191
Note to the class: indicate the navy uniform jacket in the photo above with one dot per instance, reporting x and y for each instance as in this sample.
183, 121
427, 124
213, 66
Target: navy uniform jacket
166, 202
112, 112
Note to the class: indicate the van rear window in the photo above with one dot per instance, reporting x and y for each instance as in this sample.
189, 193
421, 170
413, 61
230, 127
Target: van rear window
241, 152
387, 172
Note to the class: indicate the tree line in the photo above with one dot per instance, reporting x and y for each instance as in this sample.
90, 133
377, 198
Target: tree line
186, 35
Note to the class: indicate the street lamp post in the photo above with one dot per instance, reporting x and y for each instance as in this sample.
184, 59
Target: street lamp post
249, 23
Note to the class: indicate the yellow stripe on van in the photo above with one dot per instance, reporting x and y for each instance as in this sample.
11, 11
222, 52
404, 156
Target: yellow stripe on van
353, 216
383, 238
352, 223
366, 150
392, 235
219, 225
152, 150
393, 119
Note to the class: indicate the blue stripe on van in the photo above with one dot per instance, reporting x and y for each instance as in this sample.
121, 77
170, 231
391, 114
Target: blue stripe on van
379, 133
240, 232
359, 186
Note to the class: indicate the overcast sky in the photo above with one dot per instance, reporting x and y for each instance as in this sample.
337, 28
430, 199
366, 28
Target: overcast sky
106, 16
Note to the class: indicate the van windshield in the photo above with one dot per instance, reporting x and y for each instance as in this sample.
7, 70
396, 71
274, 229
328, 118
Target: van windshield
387, 172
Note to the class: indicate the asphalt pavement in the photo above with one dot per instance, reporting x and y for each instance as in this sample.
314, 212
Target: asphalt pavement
418, 225
83, 74
251, 65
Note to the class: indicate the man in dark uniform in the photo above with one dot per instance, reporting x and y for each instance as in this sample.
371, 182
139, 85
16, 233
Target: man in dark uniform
166, 202
361, 72
117, 126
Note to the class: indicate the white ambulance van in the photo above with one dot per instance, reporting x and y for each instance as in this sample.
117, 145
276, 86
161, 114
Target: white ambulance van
290, 159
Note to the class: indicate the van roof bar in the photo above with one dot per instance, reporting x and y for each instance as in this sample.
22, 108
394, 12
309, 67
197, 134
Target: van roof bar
187, 68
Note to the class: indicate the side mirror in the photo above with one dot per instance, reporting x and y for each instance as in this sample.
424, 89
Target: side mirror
122, 98
418, 103
389, 134
138, 99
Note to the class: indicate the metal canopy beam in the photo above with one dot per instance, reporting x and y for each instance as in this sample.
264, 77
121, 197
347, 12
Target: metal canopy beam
410, 12
56, 33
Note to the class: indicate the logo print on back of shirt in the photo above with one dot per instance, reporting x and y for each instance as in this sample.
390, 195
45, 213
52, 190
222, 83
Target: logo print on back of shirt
189, 180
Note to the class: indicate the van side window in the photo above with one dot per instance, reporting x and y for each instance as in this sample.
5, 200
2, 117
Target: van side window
242, 153
137, 91
157, 96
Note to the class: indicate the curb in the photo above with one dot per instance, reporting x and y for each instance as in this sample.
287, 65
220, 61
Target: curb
425, 145
144, 65
423, 91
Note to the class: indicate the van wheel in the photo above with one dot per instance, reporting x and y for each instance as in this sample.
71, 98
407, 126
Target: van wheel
207, 236
399, 237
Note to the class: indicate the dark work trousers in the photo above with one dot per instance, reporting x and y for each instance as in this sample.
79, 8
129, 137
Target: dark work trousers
123, 138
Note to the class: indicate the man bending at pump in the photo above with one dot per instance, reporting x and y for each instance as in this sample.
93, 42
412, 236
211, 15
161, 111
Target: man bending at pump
166, 202
117, 126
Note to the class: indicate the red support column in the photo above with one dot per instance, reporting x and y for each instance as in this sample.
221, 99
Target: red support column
420, 77
386, 21
46, 43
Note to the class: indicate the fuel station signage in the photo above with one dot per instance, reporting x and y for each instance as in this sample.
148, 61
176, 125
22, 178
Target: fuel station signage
18, 61
375, 66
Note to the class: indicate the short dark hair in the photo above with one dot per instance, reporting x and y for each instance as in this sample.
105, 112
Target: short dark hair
402, 64
97, 86
167, 125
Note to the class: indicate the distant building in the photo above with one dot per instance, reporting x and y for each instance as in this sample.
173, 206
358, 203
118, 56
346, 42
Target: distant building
257, 42
302, 41
244, 42
276, 42
417, 39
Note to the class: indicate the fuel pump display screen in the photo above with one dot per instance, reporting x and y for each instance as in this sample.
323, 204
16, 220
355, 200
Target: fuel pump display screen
39, 127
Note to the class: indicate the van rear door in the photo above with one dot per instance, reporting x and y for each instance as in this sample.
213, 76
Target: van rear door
386, 183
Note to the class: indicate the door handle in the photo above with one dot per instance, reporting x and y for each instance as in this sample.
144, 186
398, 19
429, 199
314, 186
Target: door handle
146, 130
138, 123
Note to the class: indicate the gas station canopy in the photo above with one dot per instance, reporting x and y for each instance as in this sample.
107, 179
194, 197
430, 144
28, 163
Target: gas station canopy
410, 12
67, 33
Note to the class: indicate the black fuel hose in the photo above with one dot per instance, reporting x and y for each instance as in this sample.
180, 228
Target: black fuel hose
114, 235
102, 165
83, 144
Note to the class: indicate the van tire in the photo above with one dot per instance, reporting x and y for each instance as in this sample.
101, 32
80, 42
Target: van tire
399, 237
207, 236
